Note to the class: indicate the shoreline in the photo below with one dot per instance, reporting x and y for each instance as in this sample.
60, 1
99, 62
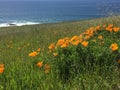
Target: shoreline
48, 23
19, 24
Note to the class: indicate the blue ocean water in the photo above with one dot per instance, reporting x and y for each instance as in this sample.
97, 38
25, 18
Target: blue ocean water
36, 12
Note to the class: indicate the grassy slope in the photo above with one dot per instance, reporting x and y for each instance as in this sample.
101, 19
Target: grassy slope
30, 38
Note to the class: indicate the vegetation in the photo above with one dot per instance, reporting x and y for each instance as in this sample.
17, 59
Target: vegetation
78, 55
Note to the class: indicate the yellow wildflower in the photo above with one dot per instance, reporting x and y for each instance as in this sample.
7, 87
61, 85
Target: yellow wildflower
47, 71
100, 37
55, 54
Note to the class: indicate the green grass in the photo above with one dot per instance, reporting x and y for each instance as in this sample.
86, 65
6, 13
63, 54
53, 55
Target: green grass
21, 72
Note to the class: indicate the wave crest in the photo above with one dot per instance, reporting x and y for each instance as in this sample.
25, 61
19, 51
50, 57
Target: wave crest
17, 24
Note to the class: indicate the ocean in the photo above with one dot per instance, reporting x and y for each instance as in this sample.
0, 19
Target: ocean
37, 12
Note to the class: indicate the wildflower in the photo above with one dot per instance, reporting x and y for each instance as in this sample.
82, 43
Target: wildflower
116, 29
101, 43
97, 28
38, 50
85, 43
1, 65
75, 42
104, 26
100, 37
87, 37
47, 71
74, 38
47, 68
64, 45
60, 42
109, 29
55, 54
52, 46
114, 47
1, 70
66, 38
40, 64
33, 54
80, 36
89, 31
110, 25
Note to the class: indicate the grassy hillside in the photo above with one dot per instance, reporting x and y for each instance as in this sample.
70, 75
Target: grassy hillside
28, 60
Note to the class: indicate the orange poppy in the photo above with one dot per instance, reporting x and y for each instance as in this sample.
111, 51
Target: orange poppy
1, 70
85, 43
38, 50
52, 46
114, 47
40, 64
33, 54
116, 29
1, 65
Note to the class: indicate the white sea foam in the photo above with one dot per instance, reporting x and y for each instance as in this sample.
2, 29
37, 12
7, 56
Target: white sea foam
17, 24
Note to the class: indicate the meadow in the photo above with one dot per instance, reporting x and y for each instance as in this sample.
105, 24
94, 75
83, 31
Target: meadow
76, 55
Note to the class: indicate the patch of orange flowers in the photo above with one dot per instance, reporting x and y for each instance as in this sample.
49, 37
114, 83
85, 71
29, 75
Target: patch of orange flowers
84, 37
2, 68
